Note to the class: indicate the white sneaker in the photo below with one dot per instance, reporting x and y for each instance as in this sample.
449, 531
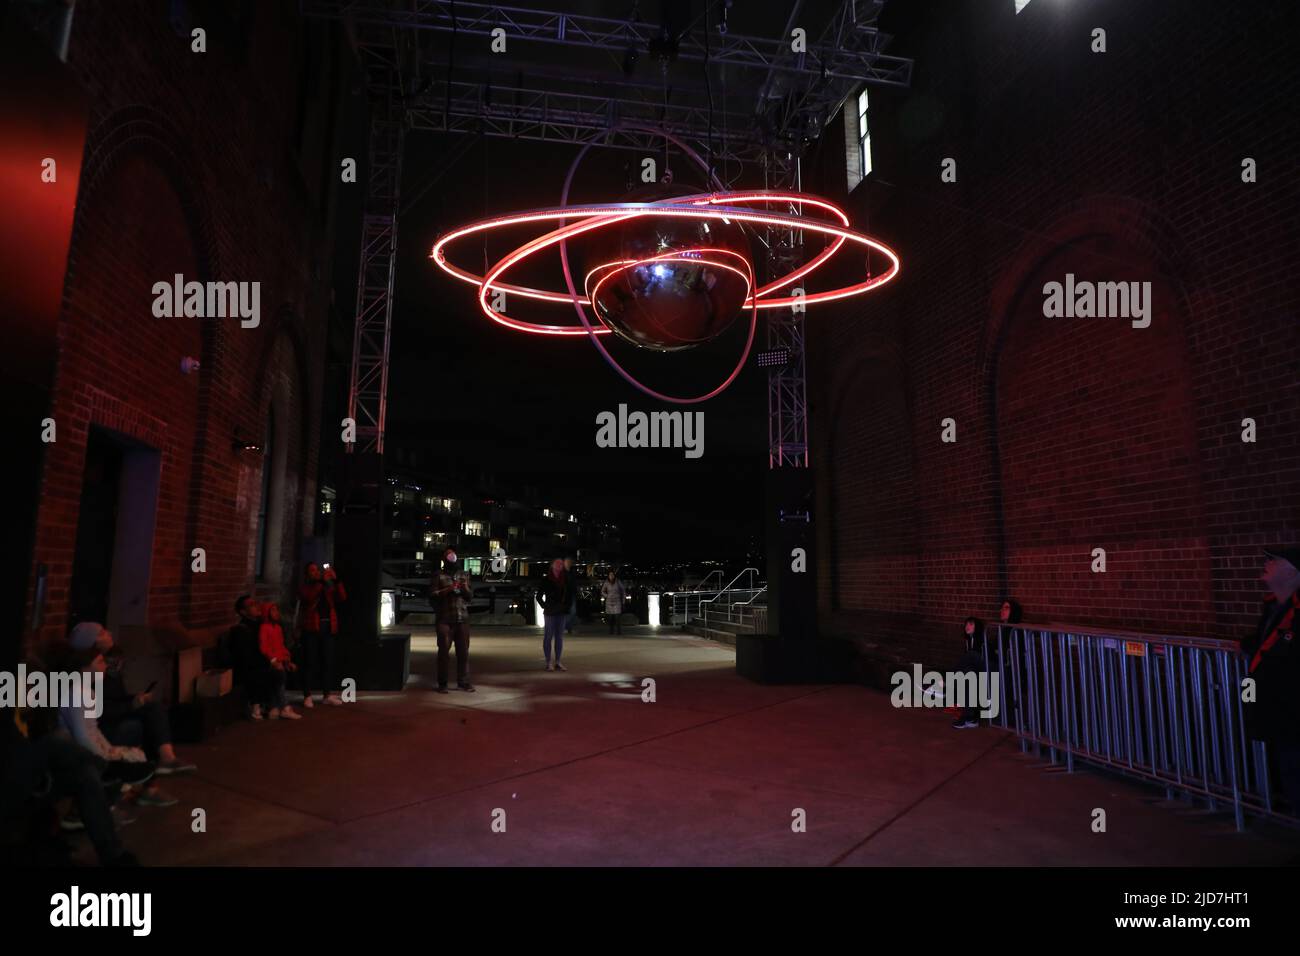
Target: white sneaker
560, 667
333, 700
307, 703
255, 712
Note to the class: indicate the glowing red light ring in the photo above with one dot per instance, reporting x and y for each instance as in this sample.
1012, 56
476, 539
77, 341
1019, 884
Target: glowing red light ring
440, 256
601, 215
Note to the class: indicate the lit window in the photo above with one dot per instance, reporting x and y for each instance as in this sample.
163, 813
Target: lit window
494, 544
474, 528
864, 137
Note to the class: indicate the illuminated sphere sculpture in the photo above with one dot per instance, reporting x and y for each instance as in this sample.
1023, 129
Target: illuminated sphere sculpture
664, 270
669, 284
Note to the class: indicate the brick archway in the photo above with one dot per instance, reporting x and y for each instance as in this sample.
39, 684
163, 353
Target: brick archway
1093, 432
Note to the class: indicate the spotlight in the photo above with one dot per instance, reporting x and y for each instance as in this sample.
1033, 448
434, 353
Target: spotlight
774, 358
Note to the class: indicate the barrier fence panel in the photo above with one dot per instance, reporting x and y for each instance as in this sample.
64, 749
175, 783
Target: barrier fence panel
1167, 710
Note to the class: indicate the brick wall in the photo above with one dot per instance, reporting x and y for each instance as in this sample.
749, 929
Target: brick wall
195, 163
1072, 434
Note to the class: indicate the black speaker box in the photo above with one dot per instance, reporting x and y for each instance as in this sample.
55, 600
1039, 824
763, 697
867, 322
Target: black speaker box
382, 664
358, 547
791, 594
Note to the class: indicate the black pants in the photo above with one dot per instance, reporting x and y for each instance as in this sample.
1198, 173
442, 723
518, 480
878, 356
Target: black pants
970, 663
456, 632
256, 682
317, 663
145, 727
72, 772
615, 622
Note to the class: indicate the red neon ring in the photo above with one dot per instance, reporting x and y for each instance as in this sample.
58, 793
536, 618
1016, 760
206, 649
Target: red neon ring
699, 199
597, 216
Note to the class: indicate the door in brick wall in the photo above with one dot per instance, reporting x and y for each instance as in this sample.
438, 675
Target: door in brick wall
115, 530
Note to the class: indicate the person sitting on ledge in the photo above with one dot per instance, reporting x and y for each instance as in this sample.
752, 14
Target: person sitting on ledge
130, 719
252, 671
1273, 661
127, 764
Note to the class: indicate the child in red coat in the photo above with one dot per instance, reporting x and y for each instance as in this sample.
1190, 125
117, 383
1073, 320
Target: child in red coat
270, 640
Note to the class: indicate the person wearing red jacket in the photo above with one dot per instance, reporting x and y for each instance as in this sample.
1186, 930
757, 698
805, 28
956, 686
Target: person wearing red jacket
318, 601
270, 641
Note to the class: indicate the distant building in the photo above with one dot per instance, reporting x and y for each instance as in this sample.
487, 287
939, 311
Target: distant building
482, 518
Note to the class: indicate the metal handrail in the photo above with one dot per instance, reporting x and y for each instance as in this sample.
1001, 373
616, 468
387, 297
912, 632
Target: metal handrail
1164, 709
739, 574
705, 579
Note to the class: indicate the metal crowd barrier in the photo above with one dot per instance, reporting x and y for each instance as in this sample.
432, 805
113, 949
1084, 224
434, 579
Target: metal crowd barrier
1167, 710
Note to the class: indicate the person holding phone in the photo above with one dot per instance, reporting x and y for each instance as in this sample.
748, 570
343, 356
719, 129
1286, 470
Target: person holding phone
452, 590
318, 600
135, 720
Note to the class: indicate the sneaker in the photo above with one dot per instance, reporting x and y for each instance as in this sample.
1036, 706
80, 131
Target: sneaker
290, 714
307, 703
560, 667
961, 723
273, 714
467, 687
157, 798
171, 768
71, 822
255, 712
334, 700
550, 666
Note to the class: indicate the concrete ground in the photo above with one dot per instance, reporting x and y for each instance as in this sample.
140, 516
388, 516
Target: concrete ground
713, 772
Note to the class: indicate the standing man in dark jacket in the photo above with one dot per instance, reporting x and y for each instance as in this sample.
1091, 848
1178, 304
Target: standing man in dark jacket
1273, 662
452, 590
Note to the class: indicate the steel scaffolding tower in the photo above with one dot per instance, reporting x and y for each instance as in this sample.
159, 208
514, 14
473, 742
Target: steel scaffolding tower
368, 379
795, 91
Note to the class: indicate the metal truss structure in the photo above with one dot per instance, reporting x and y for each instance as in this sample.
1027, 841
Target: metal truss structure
791, 93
